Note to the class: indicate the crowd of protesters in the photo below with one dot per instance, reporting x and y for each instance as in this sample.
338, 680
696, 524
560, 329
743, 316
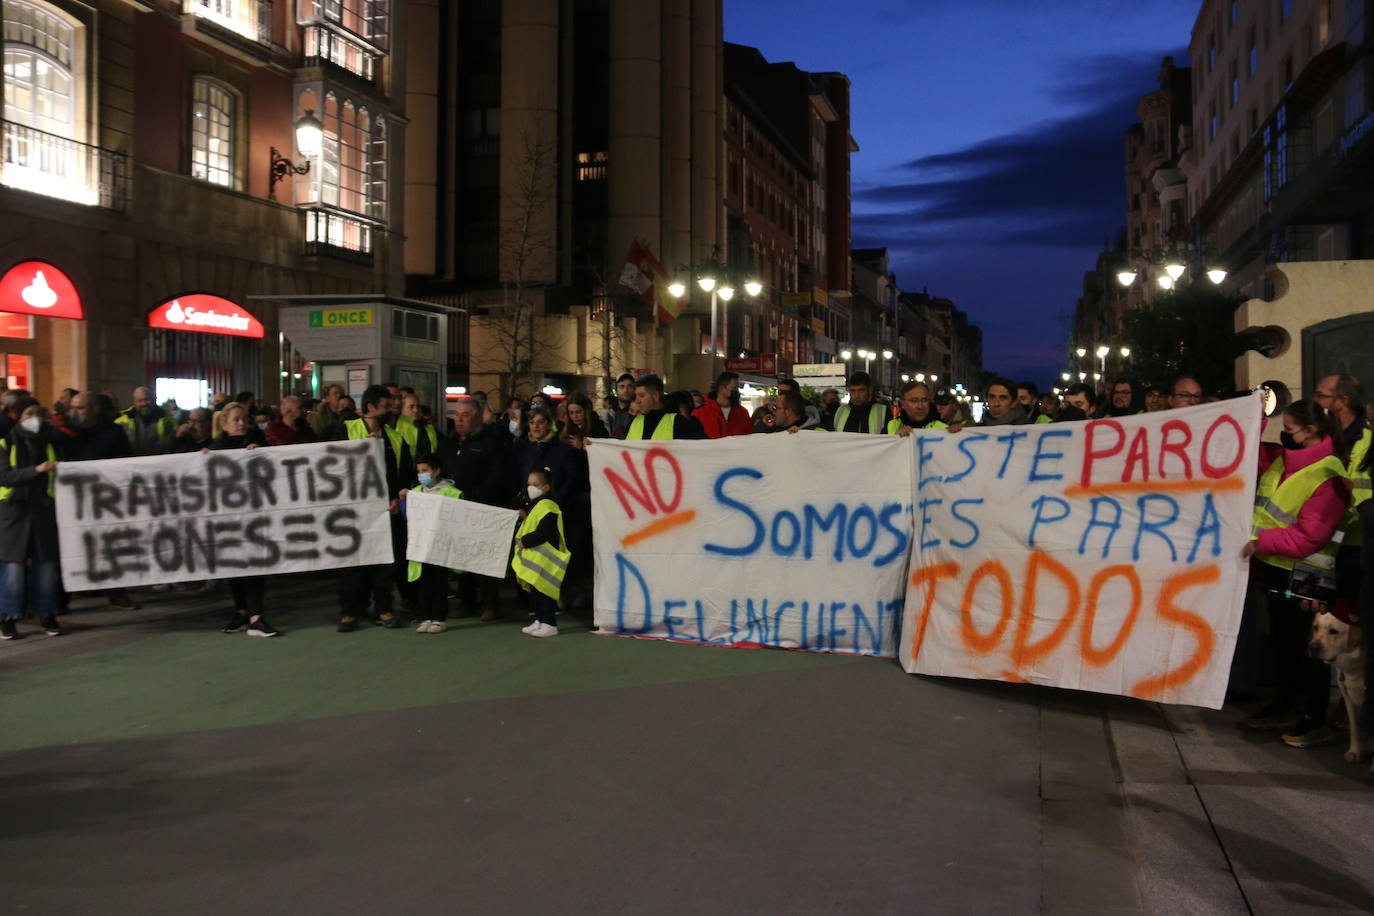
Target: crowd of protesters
530, 454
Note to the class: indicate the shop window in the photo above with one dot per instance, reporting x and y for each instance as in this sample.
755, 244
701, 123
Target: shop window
214, 112
414, 325
17, 370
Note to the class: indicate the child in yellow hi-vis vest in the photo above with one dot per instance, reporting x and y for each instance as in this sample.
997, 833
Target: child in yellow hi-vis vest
432, 597
541, 553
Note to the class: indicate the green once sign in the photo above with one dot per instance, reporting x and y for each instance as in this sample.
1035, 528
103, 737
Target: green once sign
340, 318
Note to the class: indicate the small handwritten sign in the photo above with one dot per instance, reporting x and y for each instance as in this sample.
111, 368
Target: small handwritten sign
459, 534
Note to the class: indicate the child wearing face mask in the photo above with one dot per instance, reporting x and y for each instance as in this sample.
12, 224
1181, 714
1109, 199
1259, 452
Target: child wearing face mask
431, 580
541, 553
1300, 502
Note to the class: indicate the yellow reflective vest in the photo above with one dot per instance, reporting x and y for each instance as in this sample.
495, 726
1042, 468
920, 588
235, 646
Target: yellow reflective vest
7, 492
544, 567
412, 433
876, 413
895, 425
1277, 505
1360, 488
357, 429
667, 424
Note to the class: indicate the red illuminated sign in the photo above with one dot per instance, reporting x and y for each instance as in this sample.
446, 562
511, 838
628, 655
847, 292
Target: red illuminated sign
38, 288
205, 314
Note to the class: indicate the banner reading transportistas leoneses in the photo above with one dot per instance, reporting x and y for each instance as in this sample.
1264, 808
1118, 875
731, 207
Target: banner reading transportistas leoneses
239, 512
796, 541
1102, 556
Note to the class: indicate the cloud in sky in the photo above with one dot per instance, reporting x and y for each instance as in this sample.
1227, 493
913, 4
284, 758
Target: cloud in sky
1022, 211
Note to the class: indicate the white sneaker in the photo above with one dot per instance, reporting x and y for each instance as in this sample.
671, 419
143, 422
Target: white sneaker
530, 628
543, 629
428, 626
437, 626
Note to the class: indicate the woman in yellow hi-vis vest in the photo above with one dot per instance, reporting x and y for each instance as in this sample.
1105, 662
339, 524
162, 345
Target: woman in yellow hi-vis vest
28, 523
1299, 504
541, 553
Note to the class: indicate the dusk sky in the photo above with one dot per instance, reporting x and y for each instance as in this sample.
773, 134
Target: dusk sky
990, 136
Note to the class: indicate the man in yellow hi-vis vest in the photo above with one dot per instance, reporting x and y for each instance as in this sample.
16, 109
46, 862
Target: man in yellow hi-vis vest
356, 583
653, 421
540, 561
862, 414
1343, 396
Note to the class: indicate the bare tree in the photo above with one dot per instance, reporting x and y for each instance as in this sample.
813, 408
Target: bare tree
527, 250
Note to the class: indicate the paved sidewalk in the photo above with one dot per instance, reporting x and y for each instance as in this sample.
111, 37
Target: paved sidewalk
154, 765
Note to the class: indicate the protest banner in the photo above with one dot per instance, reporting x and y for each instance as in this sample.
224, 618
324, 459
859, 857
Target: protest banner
1101, 556
167, 518
794, 541
459, 534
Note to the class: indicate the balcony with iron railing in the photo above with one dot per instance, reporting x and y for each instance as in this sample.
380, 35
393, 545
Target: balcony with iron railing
339, 234
55, 166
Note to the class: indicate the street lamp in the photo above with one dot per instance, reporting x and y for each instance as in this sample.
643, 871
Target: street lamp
677, 289
753, 287
726, 293
1216, 275
1082, 352
707, 283
1125, 352
309, 140
1165, 281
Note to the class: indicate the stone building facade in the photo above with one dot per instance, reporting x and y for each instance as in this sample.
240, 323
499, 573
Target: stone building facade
140, 138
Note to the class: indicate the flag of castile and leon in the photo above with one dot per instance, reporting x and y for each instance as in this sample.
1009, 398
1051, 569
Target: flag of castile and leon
646, 276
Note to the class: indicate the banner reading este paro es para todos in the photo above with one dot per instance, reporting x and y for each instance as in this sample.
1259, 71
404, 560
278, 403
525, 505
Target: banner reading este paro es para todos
1101, 556
144, 521
792, 541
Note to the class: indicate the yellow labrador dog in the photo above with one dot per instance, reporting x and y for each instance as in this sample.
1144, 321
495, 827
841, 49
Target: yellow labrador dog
1337, 643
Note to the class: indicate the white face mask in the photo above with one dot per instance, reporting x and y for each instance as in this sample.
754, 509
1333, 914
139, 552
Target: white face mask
32, 424
515, 427
534, 492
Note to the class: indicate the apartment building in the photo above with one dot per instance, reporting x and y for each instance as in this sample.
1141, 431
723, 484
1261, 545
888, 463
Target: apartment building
152, 175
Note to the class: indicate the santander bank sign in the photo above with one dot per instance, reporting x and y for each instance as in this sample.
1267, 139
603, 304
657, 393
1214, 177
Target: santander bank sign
206, 314
38, 288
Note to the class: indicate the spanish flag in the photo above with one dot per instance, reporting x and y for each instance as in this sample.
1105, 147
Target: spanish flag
646, 276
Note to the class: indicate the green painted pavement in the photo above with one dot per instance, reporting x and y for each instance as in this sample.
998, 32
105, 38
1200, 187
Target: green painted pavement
193, 680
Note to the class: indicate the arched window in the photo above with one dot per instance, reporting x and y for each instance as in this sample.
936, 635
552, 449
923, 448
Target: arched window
214, 134
353, 159
42, 69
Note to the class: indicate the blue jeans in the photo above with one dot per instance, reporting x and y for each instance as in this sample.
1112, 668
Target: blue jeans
39, 580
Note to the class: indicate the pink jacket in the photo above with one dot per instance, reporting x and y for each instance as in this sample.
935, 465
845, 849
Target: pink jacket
713, 420
1320, 516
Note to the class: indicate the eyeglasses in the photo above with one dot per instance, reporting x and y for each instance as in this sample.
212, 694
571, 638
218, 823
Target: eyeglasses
1188, 395
1327, 396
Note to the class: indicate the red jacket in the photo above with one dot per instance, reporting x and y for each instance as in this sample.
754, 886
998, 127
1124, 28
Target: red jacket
1320, 516
713, 420
278, 433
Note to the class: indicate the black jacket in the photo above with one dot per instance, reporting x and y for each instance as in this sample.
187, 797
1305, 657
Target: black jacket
29, 511
479, 465
546, 532
103, 440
